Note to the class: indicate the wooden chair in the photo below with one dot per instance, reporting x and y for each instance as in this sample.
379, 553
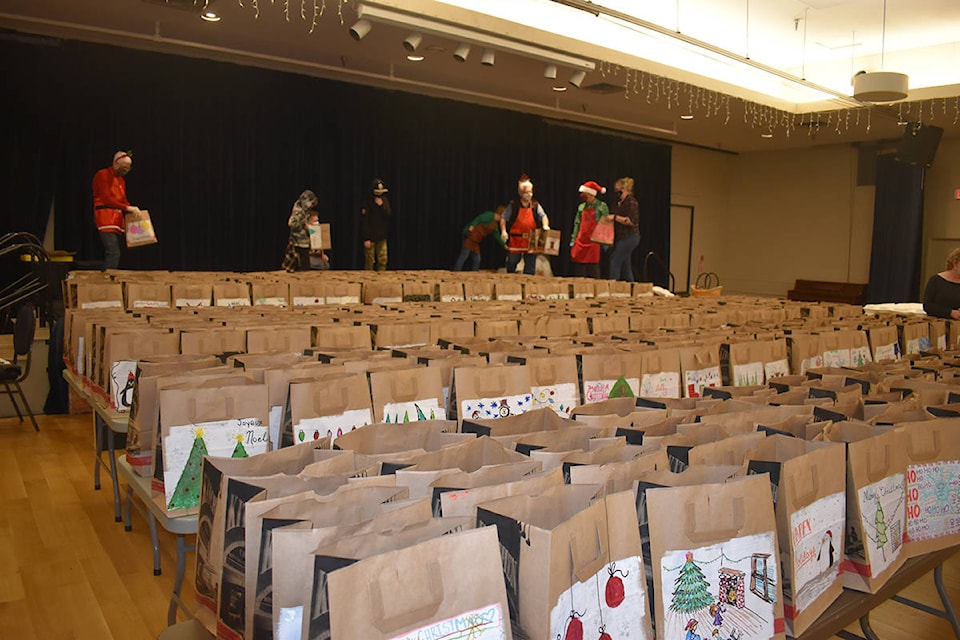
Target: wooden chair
15, 372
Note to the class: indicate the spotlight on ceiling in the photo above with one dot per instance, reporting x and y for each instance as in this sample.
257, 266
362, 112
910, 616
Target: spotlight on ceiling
360, 29
577, 78
550, 71
412, 41
488, 58
208, 14
463, 50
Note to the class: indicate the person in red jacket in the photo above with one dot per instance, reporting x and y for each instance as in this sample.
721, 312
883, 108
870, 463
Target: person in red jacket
109, 204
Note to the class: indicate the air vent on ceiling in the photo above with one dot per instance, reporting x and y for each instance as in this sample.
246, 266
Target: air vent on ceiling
603, 87
185, 5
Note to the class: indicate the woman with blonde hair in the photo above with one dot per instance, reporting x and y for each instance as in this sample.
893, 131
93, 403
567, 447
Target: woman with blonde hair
941, 297
626, 230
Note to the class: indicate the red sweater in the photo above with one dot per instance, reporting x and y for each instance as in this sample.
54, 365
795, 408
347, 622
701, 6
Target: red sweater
109, 200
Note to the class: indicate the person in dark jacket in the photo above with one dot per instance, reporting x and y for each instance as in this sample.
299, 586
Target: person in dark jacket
374, 218
474, 233
941, 297
626, 229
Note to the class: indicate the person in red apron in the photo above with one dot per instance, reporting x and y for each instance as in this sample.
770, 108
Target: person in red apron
110, 203
522, 216
585, 253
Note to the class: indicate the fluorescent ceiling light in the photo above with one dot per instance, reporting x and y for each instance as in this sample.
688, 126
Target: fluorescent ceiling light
385, 15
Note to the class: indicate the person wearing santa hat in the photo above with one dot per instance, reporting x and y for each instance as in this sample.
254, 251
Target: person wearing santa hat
519, 219
585, 253
109, 204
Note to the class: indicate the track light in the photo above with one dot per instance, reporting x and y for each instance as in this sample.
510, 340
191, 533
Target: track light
488, 58
360, 29
462, 52
577, 78
550, 71
412, 41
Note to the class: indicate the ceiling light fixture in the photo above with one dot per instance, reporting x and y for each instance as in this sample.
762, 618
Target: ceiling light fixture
360, 29
389, 15
550, 71
462, 52
577, 78
686, 116
880, 86
488, 58
414, 57
766, 135
559, 88
210, 16
412, 41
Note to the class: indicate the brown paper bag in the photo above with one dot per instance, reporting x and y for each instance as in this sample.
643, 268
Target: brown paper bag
407, 395
328, 408
138, 229
492, 392
876, 495
571, 563
810, 503
605, 373
700, 367
714, 546
470, 455
660, 374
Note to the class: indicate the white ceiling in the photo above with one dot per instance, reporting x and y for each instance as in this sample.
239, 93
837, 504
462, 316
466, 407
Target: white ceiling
821, 41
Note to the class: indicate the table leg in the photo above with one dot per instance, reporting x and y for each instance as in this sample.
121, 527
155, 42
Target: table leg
950, 613
113, 474
867, 630
98, 445
152, 523
175, 601
127, 525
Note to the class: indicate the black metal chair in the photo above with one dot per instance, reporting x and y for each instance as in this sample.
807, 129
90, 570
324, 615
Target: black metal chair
15, 372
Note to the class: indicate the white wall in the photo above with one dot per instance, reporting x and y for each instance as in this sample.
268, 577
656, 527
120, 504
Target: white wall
766, 219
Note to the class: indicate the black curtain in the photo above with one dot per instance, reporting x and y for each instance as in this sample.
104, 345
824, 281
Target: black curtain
222, 151
897, 232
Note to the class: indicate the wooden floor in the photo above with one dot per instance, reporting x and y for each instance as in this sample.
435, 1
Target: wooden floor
67, 570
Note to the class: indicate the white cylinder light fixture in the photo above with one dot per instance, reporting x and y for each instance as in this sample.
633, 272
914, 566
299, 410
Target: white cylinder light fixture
550, 71
462, 52
488, 58
360, 29
577, 78
880, 86
412, 41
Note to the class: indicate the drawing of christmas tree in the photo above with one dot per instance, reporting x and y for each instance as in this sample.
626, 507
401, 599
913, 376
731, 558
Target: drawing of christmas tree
621, 389
881, 529
239, 451
691, 591
187, 493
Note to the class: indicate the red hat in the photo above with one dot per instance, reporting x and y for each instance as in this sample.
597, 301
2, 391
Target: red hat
592, 188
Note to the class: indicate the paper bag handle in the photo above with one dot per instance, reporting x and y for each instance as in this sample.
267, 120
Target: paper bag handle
586, 568
919, 453
407, 615
410, 391
710, 533
803, 498
489, 386
876, 471
340, 408
227, 407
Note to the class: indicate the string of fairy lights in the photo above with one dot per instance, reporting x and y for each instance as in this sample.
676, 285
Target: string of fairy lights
691, 99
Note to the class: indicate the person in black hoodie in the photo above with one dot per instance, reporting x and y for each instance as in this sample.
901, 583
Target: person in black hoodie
374, 216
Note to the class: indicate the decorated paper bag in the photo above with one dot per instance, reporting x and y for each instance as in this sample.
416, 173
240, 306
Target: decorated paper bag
876, 503
933, 475
328, 408
278, 393
210, 522
938, 334
495, 474
700, 367
660, 374
147, 295
341, 293
915, 337
745, 366
231, 294
776, 362
609, 374
270, 294
139, 228
571, 563
227, 420
532, 421
416, 592
292, 548
192, 294
554, 383
715, 560
120, 354
353, 504
809, 497
492, 392
621, 407
407, 395
885, 343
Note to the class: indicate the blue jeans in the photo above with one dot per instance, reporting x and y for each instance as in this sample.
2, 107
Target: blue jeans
111, 249
529, 262
462, 260
620, 268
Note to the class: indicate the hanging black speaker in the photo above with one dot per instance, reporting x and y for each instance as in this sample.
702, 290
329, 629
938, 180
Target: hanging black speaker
919, 144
